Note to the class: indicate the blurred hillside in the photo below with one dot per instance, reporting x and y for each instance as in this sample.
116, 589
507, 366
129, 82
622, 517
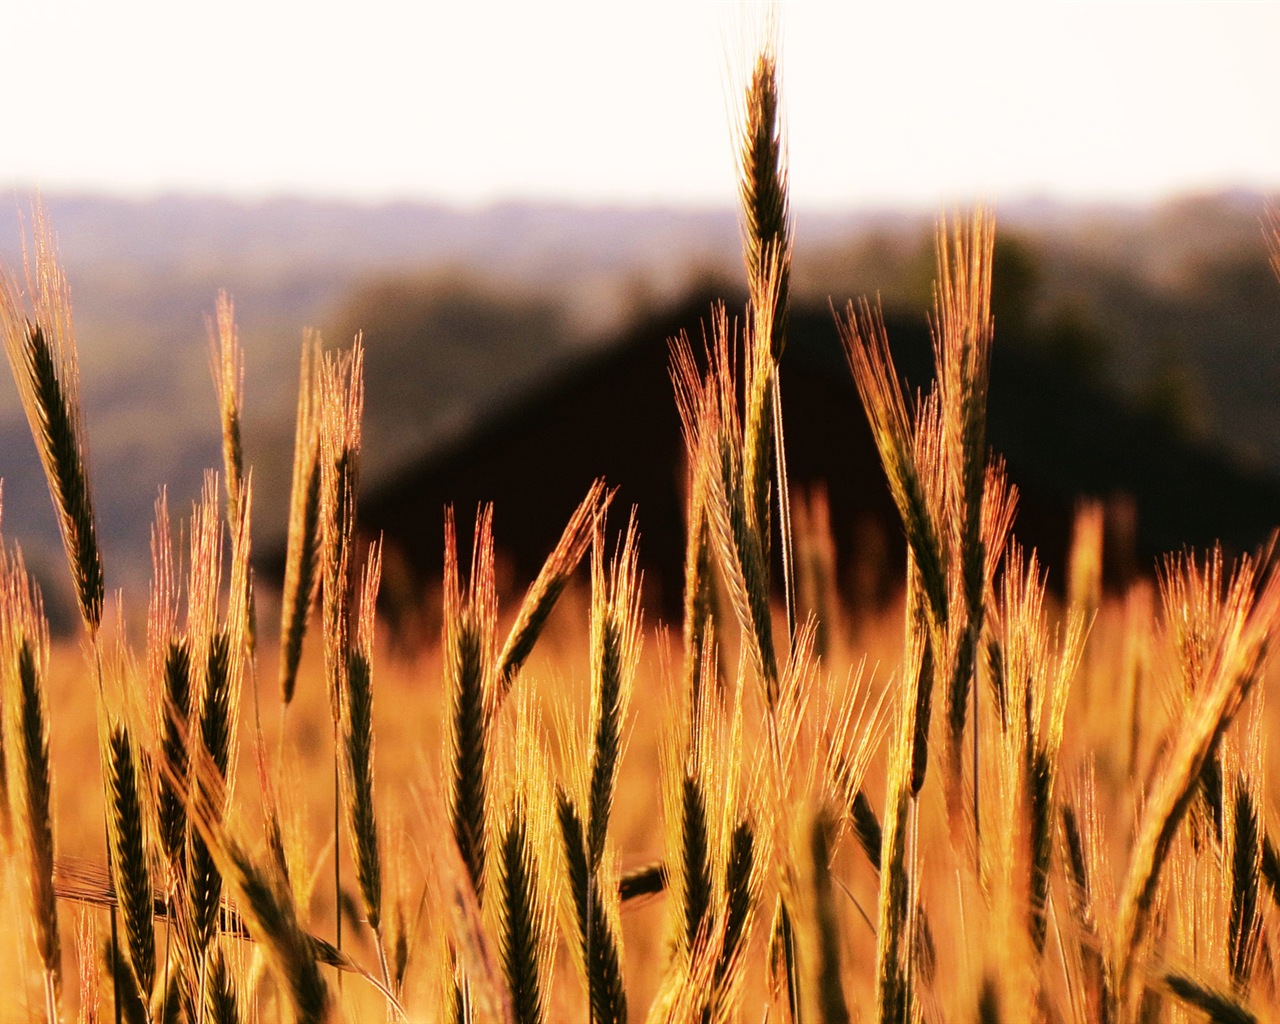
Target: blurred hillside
1171, 308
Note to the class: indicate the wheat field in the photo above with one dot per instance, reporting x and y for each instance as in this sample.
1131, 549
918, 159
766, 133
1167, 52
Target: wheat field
987, 803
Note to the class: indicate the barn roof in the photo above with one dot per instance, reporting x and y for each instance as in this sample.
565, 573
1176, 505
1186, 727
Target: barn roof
613, 415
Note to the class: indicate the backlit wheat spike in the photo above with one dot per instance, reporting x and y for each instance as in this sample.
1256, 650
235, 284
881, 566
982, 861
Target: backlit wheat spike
301, 577
598, 946
24, 646
695, 866
766, 230
227, 361
962, 331
717, 864
42, 356
831, 995
228, 381
164, 599
205, 565
217, 657
1235, 660
128, 829
700, 427
546, 589
999, 506
362, 821
689, 773
1245, 925
526, 850
228, 647
895, 996
867, 348
341, 410
762, 187
341, 388
743, 880
1083, 862
615, 652
222, 1005
742, 562
213, 725
758, 443
737, 531
469, 660
1039, 667
176, 707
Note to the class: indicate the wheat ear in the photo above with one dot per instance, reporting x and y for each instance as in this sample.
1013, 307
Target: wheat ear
524, 851
1244, 925
42, 356
766, 228
301, 578
546, 589
342, 407
962, 329
362, 821
469, 627
615, 652
24, 642
127, 831
895, 995
598, 946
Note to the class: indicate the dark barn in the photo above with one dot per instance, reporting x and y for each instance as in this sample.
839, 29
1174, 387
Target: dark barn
614, 416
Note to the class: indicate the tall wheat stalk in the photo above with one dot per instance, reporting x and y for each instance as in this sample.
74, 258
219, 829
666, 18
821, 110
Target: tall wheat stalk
357, 716
341, 389
584, 803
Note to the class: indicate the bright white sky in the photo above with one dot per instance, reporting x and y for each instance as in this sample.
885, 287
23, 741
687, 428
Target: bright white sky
888, 103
